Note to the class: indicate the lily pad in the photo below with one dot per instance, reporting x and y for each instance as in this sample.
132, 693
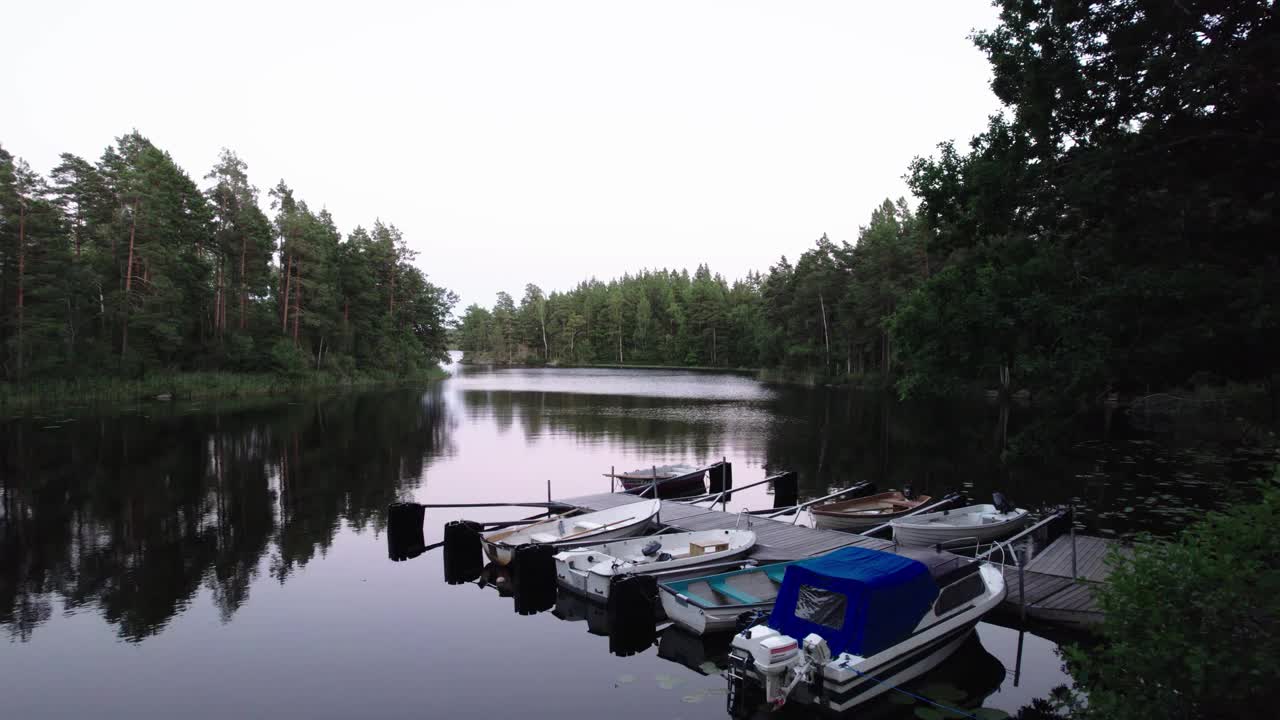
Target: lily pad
693, 698
624, 679
898, 698
942, 692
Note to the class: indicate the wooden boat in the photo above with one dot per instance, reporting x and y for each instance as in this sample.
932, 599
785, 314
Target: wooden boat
672, 480
855, 623
866, 512
713, 603
589, 570
615, 522
974, 523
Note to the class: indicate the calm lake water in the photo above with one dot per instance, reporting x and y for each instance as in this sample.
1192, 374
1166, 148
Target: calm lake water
230, 560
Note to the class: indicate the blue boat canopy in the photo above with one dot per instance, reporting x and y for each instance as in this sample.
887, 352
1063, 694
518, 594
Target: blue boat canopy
860, 601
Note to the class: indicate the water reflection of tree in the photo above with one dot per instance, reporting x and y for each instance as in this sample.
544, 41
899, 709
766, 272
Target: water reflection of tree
131, 515
832, 438
676, 425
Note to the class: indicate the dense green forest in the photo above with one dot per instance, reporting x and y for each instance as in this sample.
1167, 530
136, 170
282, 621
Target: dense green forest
1113, 228
127, 267
826, 311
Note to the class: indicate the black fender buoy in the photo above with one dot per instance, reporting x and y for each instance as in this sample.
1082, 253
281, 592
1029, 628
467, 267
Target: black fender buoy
404, 531
463, 555
720, 477
786, 490
533, 574
631, 609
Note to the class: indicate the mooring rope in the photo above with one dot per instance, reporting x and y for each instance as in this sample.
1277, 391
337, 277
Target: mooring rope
934, 703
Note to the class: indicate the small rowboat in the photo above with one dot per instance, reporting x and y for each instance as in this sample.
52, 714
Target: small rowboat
615, 522
975, 523
589, 570
713, 602
867, 512
672, 480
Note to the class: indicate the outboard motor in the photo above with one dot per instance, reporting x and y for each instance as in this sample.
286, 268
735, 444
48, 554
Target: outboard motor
1002, 503
404, 531
631, 610
463, 555
908, 492
765, 666
651, 548
533, 571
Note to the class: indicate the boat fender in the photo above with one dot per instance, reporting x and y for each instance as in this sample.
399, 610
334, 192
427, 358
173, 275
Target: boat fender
631, 613
463, 554
404, 531
534, 577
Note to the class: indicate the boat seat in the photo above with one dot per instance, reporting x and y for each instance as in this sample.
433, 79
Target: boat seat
723, 588
587, 525
544, 537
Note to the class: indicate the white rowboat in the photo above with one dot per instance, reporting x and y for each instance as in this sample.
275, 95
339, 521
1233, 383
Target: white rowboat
615, 522
589, 570
975, 523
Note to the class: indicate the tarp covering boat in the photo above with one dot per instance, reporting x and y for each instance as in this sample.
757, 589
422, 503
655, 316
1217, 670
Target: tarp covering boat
860, 601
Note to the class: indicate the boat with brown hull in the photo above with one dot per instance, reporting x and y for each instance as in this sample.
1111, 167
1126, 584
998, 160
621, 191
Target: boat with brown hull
866, 512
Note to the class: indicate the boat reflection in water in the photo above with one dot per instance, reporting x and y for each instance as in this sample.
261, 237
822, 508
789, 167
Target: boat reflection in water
572, 607
703, 654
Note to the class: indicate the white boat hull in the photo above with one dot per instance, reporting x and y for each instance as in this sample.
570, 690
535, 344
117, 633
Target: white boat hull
590, 570
616, 522
700, 621
977, 524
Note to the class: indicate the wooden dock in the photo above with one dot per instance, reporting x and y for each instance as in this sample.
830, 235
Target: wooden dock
1044, 590
1049, 589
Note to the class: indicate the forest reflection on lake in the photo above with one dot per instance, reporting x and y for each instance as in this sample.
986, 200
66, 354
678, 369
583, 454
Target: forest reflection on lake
229, 558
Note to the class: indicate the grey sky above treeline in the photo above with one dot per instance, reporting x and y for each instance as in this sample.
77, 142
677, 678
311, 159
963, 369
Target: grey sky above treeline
518, 142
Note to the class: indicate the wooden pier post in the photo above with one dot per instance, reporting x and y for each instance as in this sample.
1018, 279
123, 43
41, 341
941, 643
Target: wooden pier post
613, 479
1022, 586
1071, 523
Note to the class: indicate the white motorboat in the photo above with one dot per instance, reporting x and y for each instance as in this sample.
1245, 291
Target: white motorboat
589, 570
854, 623
975, 523
615, 522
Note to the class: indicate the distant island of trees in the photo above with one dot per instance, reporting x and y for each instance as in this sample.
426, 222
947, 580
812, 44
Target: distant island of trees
1114, 228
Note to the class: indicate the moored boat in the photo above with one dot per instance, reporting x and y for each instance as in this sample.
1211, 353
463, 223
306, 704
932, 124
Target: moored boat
866, 512
615, 522
672, 480
854, 623
974, 523
712, 603
589, 570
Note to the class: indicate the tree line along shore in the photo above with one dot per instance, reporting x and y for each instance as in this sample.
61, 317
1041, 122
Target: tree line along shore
123, 276
1112, 230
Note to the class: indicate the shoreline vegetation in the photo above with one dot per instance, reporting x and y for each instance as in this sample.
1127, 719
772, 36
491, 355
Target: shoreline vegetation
122, 278
1109, 234
58, 394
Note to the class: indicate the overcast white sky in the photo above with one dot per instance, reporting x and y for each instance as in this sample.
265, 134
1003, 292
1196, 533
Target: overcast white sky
521, 141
